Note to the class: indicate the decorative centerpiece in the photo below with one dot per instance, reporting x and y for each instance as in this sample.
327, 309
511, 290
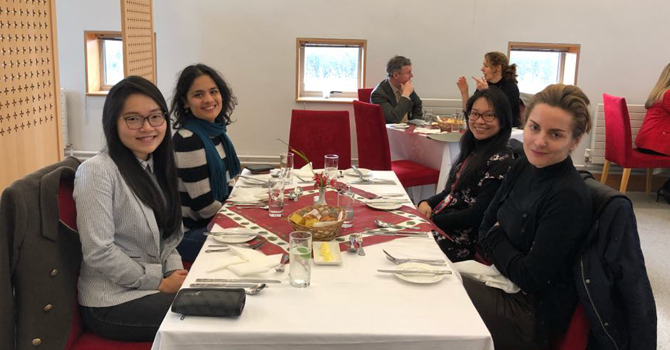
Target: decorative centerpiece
321, 182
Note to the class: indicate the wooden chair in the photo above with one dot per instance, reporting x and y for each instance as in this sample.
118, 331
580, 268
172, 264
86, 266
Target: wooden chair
619, 148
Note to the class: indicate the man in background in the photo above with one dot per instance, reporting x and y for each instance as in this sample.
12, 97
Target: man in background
396, 94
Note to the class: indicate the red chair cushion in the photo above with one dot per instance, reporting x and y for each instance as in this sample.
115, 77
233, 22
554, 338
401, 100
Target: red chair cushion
364, 94
618, 139
414, 174
578, 332
317, 133
373, 144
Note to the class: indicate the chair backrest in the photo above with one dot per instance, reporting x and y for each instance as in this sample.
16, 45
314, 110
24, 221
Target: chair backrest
618, 139
364, 94
317, 133
373, 144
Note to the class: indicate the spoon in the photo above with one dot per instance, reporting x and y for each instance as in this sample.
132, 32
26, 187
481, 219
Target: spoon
383, 224
256, 289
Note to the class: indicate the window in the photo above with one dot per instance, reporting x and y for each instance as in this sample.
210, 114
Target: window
539, 65
104, 61
330, 69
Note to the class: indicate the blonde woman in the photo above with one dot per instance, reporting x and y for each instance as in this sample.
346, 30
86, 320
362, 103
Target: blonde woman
654, 135
496, 72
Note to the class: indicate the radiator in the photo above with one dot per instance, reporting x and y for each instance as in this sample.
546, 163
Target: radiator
442, 106
636, 113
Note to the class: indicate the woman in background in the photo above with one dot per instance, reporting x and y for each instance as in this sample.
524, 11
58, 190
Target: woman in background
654, 135
207, 163
474, 179
128, 215
535, 226
499, 73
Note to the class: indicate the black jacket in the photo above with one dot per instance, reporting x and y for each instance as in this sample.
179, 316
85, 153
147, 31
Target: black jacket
611, 277
383, 96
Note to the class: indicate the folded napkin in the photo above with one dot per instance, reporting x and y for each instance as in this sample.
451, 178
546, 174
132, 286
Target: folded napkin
253, 261
399, 126
225, 262
427, 131
305, 172
248, 195
487, 274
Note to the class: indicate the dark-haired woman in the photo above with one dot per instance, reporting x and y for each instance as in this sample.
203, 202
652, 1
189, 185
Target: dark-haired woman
497, 72
474, 179
128, 215
206, 159
535, 226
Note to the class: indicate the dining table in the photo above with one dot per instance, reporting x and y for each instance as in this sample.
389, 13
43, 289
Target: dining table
430, 147
350, 305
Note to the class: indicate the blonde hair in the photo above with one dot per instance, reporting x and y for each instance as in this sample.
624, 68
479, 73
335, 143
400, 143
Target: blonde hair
497, 58
662, 85
568, 98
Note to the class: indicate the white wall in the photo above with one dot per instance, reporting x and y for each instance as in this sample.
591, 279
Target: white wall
623, 49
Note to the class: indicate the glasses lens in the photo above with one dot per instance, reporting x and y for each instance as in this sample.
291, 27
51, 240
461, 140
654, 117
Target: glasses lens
474, 116
156, 119
489, 117
134, 122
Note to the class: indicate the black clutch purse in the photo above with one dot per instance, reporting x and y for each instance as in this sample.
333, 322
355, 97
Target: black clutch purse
259, 168
209, 302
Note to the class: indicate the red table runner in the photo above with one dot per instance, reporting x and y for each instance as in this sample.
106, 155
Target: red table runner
258, 219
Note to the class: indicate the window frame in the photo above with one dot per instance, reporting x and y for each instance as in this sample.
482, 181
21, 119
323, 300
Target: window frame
313, 96
563, 49
94, 60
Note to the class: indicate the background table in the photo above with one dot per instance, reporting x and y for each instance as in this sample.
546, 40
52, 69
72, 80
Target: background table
436, 154
350, 306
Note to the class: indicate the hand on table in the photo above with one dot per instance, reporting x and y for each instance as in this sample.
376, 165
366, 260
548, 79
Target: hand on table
172, 283
407, 88
425, 209
482, 84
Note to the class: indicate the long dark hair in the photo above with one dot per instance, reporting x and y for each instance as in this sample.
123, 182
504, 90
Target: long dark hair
186, 78
168, 215
498, 142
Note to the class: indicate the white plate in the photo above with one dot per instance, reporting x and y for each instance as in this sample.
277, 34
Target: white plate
389, 206
334, 250
234, 239
421, 279
351, 172
399, 126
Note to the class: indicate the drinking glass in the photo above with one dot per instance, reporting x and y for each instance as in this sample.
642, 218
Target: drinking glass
345, 200
300, 250
275, 197
330, 165
286, 165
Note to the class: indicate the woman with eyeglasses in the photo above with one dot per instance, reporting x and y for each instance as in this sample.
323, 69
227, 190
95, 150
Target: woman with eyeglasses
129, 218
207, 163
496, 72
535, 226
475, 177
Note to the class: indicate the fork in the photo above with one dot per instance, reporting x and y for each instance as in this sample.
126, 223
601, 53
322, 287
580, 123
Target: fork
397, 261
282, 265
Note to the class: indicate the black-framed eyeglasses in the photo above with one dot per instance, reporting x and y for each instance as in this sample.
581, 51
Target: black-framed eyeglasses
136, 121
488, 116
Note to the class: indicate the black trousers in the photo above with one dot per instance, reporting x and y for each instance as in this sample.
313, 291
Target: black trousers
136, 320
510, 318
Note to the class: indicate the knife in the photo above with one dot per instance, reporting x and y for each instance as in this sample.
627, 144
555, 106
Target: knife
400, 231
392, 234
236, 234
374, 182
236, 280
226, 285
418, 272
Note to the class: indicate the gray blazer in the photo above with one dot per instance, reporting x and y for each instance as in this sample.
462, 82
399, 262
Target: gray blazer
383, 96
119, 236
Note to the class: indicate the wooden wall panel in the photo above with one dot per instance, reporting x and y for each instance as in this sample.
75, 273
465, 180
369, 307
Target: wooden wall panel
139, 46
30, 132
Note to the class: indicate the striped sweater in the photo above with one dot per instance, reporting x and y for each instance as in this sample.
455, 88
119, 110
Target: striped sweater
198, 205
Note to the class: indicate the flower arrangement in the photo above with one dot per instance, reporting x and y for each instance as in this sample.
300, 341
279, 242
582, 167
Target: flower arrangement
321, 181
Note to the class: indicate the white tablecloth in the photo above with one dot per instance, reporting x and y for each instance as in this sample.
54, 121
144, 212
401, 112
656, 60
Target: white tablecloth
435, 154
350, 306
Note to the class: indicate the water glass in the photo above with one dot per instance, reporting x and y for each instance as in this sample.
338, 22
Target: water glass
300, 250
286, 165
345, 200
275, 197
330, 165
